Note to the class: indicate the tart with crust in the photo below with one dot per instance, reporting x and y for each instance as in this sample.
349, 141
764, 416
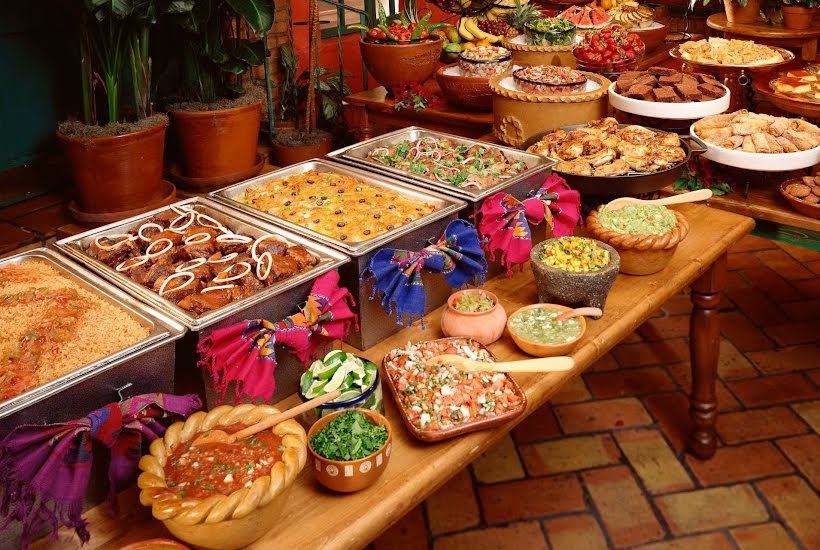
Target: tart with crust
645, 236
218, 495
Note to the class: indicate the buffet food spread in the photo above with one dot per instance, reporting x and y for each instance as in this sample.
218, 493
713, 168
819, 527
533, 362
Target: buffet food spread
758, 133
803, 84
666, 85
722, 51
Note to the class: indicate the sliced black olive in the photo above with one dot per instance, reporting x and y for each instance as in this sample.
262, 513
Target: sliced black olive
316, 220
338, 211
320, 202
342, 237
324, 197
391, 206
340, 191
287, 203
377, 215
366, 232
310, 181
362, 201
341, 224
390, 226
333, 184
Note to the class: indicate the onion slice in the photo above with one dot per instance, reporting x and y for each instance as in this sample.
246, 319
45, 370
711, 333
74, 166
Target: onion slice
181, 209
233, 238
197, 238
195, 263
264, 237
188, 274
223, 259
202, 218
135, 261
245, 265
128, 237
265, 256
190, 215
168, 247
147, 226
216, 287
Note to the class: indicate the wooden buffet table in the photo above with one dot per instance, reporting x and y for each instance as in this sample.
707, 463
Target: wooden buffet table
773, 35
318, 519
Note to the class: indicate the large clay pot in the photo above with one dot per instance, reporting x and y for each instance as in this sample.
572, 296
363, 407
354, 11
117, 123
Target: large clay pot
217, 143
470, 92
285, 155
394, 64
117, 173
735, 13
797, 18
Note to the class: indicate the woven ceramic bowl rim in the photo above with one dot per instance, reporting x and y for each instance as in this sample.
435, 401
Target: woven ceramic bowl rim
655, 242
614, 259
325, 420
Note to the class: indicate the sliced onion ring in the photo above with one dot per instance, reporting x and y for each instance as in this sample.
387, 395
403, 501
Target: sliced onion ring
128, 238
150, 254
219, 279
191, 215
195, 263
264, 237
263, 256
202, 218
223, 259
197, 239
181, 209
147, 226
188, 274
217, 287
233, 238
136, 260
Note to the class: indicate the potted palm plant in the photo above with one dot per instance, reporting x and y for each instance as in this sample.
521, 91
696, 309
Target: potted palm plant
115, 151
798, 14
217, 119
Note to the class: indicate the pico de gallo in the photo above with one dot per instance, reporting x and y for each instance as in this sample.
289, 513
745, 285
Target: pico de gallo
399, 30
199, 471
440, 397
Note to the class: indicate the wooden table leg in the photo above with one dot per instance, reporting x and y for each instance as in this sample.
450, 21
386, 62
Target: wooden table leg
358, 122
704, 349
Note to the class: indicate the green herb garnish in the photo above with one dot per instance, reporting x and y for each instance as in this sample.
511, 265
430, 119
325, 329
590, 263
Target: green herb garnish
351, 436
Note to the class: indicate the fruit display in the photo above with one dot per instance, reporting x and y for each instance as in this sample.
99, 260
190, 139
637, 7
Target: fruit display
520, 14
631, 15
469, 30
612, 4
586, 17
611, 50
407, 28
552, 31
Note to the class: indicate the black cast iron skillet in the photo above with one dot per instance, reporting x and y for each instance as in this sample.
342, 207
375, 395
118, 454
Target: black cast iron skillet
628, 184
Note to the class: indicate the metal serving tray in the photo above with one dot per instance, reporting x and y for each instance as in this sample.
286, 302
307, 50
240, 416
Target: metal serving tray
77, 245
529, 180
444, 205
374, 324
147, 365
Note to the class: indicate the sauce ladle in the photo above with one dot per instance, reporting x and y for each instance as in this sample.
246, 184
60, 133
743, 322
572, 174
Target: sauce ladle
580, 312
692, 196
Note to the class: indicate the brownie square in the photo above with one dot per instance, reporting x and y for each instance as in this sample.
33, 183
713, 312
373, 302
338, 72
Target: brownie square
639, 91
670, 80
661, 71
664, 94
623, 84
647, 80
632, 75
688, 93
689, 80
711, 91
705, 78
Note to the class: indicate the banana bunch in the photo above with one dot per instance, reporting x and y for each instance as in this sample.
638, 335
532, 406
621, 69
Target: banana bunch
493, 13
607, 5
469, 31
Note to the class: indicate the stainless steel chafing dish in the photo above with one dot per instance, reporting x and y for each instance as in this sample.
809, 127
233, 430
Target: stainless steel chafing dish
147, 365
273, 302
374, 323
519, 186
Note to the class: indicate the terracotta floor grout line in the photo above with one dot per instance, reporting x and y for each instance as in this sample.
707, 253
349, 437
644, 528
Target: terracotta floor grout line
797, 471
593, 510
774, 515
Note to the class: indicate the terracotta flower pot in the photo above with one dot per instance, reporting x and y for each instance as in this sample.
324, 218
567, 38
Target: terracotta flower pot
483, 326
117, 173
285, 155
217, 143
393, 64
797, 18
735, 13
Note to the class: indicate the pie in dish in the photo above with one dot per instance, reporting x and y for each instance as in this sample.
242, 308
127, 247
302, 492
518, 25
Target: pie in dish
722, 51
801, 85
758, 133
602, 148
219, 495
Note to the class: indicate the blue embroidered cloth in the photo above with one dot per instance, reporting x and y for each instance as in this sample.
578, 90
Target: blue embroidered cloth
397, 274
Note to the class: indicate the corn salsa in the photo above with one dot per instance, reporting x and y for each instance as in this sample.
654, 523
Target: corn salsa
539, 325
218, 468
440, 397
645, 219
576, 254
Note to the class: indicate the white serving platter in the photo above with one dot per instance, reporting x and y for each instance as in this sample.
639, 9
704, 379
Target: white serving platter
761, 162
670, 111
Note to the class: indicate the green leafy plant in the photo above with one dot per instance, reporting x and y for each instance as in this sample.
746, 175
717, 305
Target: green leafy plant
218, 48
288, 89
698, 175
330, 88
115, 39
810, 4
741, 3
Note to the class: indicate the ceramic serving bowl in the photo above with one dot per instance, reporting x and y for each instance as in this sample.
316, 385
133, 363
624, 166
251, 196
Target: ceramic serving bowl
155, 544
470, 92
222, 522
803, 207
653, 35
351, 475
570, 288
482, 326
394, 64
539, 349
641, 254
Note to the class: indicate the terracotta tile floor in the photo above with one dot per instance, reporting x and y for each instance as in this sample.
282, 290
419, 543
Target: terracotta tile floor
566, 480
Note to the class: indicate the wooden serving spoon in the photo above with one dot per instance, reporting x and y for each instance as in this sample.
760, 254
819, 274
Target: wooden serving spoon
580, 312
693, 196
542, 364
218, 436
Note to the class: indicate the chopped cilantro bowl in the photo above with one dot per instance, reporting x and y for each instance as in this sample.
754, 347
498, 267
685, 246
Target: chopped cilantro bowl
349, 436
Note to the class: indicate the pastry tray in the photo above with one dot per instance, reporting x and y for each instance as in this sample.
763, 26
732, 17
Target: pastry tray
440, 435
357, 155
787, 58
669, 111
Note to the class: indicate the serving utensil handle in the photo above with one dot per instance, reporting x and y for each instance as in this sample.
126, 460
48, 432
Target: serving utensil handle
540, 364
271, 421
579, 312
691, 196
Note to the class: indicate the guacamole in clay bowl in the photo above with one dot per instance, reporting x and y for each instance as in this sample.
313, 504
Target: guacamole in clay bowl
645, 219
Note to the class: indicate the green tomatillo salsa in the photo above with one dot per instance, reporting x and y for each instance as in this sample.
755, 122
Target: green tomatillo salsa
539, 325
646, 219
474, 302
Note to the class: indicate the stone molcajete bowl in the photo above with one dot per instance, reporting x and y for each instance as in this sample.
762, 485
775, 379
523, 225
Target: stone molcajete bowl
569, 288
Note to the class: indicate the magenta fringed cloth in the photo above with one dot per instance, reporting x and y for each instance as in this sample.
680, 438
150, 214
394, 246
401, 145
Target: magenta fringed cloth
244, 353
504, 221
45, 469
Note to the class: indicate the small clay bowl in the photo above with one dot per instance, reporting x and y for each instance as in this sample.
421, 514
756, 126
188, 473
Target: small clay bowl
470, 92
805, 208
652, 36
155, 544
539, 349
483, 326
347, 476
569, 288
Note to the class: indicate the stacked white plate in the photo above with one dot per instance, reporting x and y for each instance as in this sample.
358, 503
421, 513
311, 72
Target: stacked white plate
670, 111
